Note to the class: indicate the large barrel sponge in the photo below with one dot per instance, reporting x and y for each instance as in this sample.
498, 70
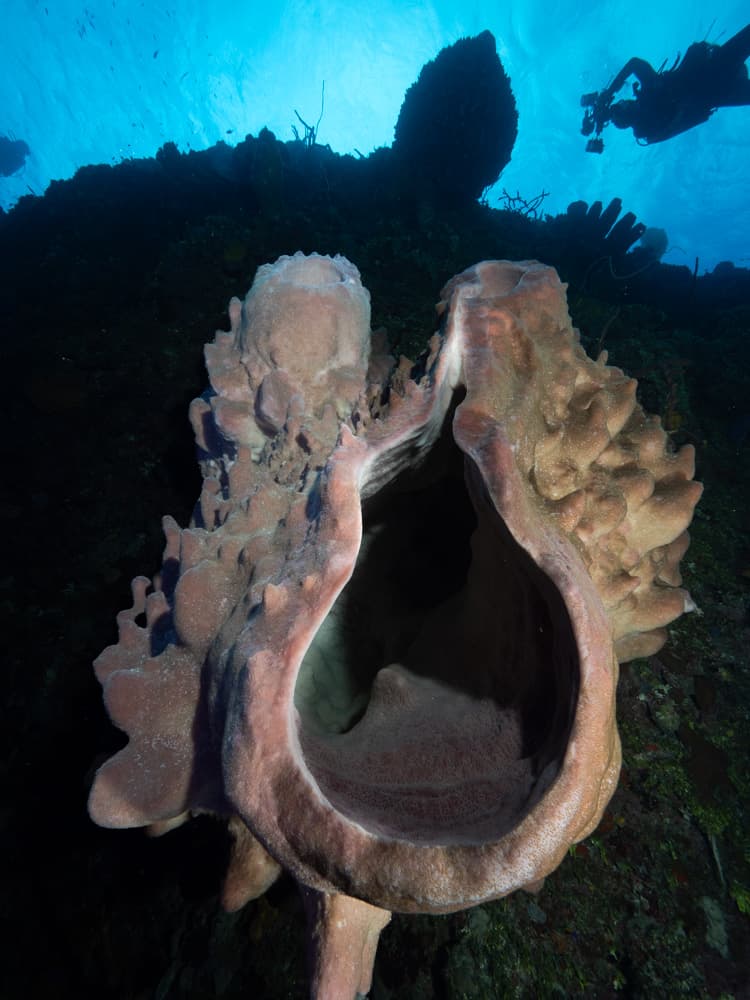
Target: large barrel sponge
458, 123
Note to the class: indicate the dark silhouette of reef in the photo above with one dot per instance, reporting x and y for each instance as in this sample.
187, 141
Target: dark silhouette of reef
112, 283
304, 186
458, 123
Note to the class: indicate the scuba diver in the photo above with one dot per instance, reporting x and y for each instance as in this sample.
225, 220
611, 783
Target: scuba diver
667, 102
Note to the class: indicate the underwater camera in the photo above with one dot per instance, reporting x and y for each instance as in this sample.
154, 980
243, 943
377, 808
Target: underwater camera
595, 118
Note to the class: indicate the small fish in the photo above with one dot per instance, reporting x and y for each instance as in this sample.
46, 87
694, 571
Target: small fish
13, 153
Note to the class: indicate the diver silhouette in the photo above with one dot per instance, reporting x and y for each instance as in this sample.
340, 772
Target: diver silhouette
667, 102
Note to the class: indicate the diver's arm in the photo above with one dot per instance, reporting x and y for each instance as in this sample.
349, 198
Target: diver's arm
600, 104
643, 71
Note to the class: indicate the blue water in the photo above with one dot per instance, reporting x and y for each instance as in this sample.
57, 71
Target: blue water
111, 79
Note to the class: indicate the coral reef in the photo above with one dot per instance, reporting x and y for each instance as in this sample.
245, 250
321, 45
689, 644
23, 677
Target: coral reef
458, 123
596, 244
386, 648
